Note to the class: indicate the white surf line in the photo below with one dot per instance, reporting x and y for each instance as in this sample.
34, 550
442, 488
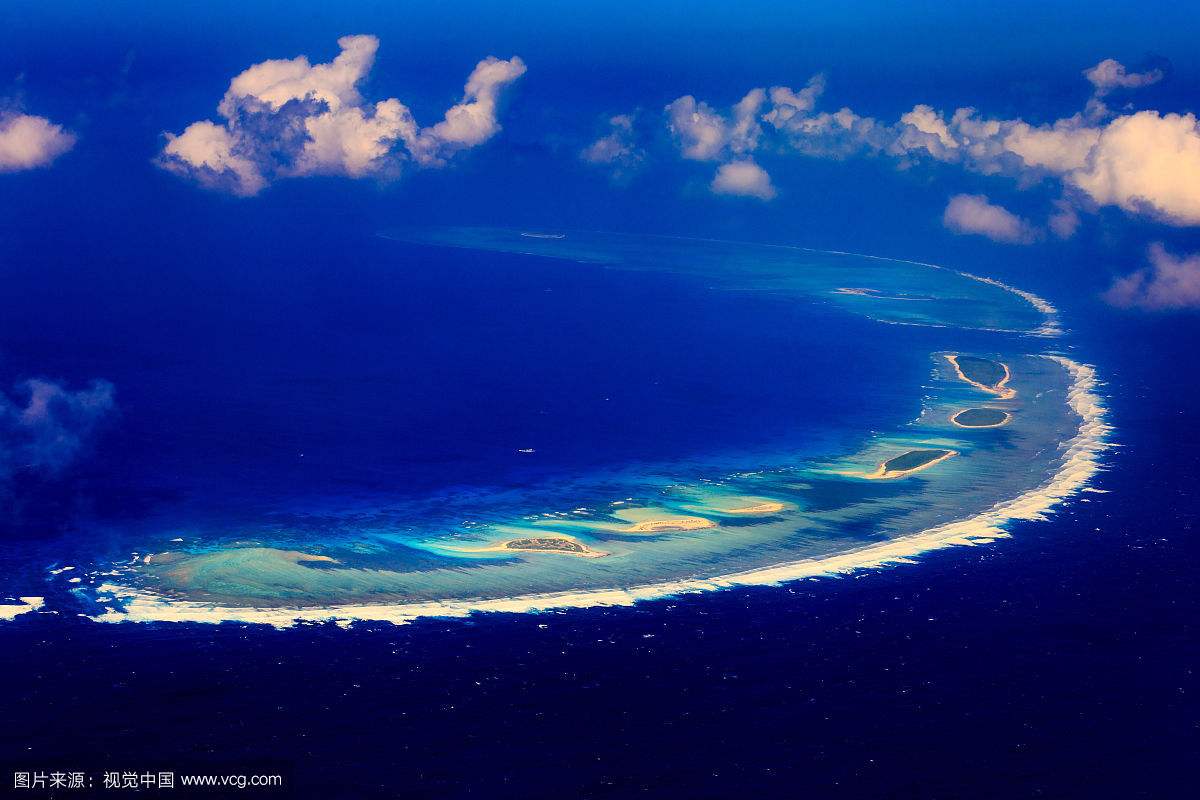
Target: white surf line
1081, 460
1049, 328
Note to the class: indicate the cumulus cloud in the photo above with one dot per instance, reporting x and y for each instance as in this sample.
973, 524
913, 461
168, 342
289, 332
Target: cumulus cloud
27, 142
291, 118
744, 129
973, 213
744, 178
1058, 148
472, 121
787, 104
1111, 74
925, 128
1146, 162
1169, 283
1143, 162
617, 149
706, 135
964, 137
206, 151
701, 132
48, 427
1064, 220
840, 134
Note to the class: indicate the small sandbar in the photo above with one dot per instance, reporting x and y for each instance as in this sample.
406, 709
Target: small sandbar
984, 374
739, 505
765, 507
659, 520
910, 462
638, 522
981, 418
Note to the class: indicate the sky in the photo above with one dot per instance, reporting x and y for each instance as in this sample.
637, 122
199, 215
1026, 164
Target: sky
1054, 145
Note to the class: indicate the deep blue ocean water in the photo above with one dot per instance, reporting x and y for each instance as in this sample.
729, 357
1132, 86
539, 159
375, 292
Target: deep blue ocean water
1054, 664
359, 396
1058, 663
263, 385
1049, 665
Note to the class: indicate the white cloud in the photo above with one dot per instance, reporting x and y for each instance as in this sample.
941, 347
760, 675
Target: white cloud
291, 118
991, 146
1143, 162
353, 142
744, 178
1146, 162
27, 142
831, 135
1111, 74
706, 135
702, 132
205, 151
745, 129
1064, 221
276, 82
786, 103
472, 121
48, 431
617, 149
926, 128
1168, 283
1058, 148
972, 213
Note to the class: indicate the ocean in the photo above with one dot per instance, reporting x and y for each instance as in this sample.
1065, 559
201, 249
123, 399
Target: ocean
1023, 667
328, 370
1051, 664
493, 419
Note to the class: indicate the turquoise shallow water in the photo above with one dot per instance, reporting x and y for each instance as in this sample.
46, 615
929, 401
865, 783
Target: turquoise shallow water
813, 492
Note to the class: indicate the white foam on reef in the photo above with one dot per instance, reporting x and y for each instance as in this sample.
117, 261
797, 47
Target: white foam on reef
27, 604
1049, 328
1080, 462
